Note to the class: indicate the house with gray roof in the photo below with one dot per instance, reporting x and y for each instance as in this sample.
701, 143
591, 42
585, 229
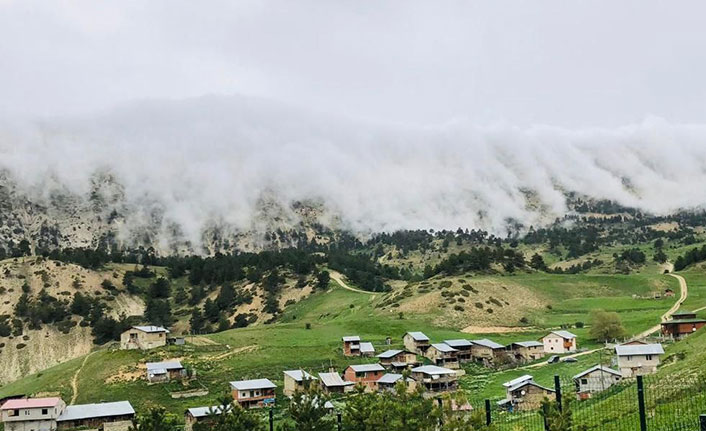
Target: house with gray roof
559, 342
435, 379
389, 381
486, 351
397, 359
351, 345
296, 381
201, 414
416, 342
443, 355
364, 374
463, 348
526, 351
638, 359
332, 383
143, 337
523, 393
367, 349
159, 372
253, 393
594, 380
115, 416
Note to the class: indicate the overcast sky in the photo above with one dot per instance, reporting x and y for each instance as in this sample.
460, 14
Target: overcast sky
565, 63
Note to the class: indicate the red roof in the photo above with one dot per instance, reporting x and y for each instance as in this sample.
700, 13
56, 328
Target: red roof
31, 403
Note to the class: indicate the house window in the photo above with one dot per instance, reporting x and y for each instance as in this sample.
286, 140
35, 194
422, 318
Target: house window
45, 411
648, 357
133, 336
629, 358
584, 381
359, 375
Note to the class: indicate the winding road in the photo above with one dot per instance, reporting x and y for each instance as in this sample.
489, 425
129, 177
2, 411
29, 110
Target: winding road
338, 278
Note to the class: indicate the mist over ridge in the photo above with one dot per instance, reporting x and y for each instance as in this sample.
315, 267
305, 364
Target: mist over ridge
216, 159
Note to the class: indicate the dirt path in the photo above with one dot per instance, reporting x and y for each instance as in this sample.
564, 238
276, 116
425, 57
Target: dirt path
74, 380
683, 287
338, 278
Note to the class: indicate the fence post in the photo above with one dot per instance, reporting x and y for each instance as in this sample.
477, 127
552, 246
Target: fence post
272, 420
441, 410
488, 414
557, 388
641, 403
338, 420
702, 422
545, 408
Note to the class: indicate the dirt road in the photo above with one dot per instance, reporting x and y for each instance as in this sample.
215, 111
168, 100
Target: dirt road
338, 278
74, 380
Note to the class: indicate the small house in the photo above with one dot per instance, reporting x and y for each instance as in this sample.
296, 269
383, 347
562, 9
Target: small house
199, 415
397, 359
351, 345
143, 337
416, 342
32, 413
115, 416
523, 393
367, 349
463, 349
485, 350
365, 374
332, 383
389, 381
443, 355
159, 372
296, 381
594, 380
526, 351
254, 393
682, 324
638, 359
435, 379
558, 342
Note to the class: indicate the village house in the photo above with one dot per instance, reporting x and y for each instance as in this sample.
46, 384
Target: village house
32, 414
389, 381
296, 381
486, 351
558, 342
443, 355
160, 372
367, 349
143, 337
416, 342
638, 359
332, 383
365, 374
682, 324
526, 351
397, 359
463, 348
594, 380
435, 379
253, 393
351, 345
199, 415
523, 393
115, 416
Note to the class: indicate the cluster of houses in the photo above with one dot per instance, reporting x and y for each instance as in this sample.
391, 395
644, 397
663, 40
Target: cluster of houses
52, 413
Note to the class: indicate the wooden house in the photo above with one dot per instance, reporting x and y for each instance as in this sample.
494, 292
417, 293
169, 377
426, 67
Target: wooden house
143, 337
351, 345
416, 342
443, 355
682, 324
558, 342
367, 349
435, 379
526, 351
594, 380
200, 415
254, 393
332, 383
638, 359
463, 349
397, 359
523, 393
389, 382
486, 351
115, 416
160, 372
365, 374
296, 381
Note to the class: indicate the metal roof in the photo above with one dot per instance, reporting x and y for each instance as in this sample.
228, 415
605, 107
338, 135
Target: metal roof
443, 348
390, 378
244, 385
529, 343
564, 334
364, 368
333, 380
678, 321
488, 343
200, 412
597, 368
528, 382
299, 375
418, 336
518, 380
351, 338
432, 370
166, 365
151, 329
389, 354
99, 410
458, 343
640, 349
367, 348
30, 403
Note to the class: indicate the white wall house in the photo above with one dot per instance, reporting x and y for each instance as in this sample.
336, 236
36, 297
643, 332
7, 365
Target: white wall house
558, 342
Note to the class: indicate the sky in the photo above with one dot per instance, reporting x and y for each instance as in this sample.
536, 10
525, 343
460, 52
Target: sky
555, 62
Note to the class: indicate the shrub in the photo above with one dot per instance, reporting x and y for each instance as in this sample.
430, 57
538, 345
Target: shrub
479, 305
579, 325
458, 308
21, 346
524, 320
489, 310
444, 284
